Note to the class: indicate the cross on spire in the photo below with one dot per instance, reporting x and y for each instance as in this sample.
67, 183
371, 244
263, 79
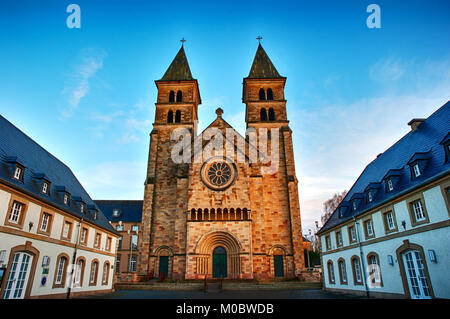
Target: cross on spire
259, 38
182, 41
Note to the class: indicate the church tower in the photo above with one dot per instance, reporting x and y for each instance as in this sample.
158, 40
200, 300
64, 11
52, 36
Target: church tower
277, 239
162, 246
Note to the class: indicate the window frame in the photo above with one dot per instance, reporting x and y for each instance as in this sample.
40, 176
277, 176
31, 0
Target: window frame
366, 233
339, 239
331, 273
412, 213
353, 261
69, 233
62, 283
349, 230
384, 214
99, 243
48, 230
84, 239
342, 272
18, 168
105, 279
377, 260
22, 215
416, 170
94, 272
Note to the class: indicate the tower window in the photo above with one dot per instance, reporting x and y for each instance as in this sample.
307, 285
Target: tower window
171, 96
262, 95
170, 117
271, 114
269, 94
263, 115
179, 96
178, 116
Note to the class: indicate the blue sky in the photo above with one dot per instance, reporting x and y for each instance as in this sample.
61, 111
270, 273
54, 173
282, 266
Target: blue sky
87, 95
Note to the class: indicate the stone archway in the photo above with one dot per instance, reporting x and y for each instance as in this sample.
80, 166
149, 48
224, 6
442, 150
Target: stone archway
213, 242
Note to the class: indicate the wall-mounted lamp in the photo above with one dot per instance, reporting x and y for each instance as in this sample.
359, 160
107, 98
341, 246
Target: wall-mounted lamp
432, 255
30, 225
404, 224
390, 260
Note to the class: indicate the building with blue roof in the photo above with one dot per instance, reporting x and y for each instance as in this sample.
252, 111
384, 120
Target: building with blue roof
49, 225
125, 216
390, 234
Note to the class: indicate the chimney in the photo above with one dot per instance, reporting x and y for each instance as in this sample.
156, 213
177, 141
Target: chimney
414, 123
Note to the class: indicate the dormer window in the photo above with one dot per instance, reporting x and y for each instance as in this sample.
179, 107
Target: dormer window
82, 207
416, 170
18, 173
66, 199
369, 197
45, 188
116, 212
354, 205
390, 186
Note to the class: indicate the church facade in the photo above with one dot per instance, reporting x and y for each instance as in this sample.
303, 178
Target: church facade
226, 210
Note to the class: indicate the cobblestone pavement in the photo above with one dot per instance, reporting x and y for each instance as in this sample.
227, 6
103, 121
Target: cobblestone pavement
226, 294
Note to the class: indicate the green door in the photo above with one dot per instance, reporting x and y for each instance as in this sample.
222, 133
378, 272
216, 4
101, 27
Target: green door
219, 262
164, 265
278, 265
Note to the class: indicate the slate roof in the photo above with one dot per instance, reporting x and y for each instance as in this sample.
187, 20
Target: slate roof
262, 67
179, 68
423, 144
39, 164
130, 210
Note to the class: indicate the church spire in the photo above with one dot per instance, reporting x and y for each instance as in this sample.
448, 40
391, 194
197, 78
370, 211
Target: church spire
179, 68
262, 67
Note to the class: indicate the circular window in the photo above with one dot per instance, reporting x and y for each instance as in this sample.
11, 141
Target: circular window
218, 174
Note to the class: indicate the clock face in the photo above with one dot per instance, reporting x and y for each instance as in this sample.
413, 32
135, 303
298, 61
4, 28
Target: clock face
218, 174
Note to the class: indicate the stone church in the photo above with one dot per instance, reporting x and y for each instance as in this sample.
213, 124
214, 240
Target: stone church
221, 217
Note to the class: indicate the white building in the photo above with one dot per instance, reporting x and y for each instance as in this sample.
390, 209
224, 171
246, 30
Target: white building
390, 236
48, 221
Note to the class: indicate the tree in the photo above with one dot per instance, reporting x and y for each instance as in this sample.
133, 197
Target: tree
330, 205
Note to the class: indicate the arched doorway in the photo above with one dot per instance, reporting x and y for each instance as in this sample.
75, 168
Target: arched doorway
415, 273
219, 262
18, 276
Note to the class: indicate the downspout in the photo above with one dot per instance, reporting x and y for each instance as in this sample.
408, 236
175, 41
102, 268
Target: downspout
74, 259
361, 256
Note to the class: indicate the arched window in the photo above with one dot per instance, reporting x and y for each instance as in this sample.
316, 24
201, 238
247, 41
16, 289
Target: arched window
94, 272
330, 272
342, 272
356, 268
199, 214
105, 273
192, 214
263, 115
269, 94
179, 96
373, 263
61, 269
271, 114
170, 117
171, 97
79, 272
178, 116
262, 94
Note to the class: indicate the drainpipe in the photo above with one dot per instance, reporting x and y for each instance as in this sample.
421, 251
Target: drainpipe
74, 258
361, 256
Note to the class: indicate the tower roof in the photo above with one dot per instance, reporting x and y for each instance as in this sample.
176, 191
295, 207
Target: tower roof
179, 68
262, 67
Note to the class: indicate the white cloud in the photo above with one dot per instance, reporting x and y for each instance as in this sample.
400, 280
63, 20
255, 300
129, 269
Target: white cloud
388, 69
91, 62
